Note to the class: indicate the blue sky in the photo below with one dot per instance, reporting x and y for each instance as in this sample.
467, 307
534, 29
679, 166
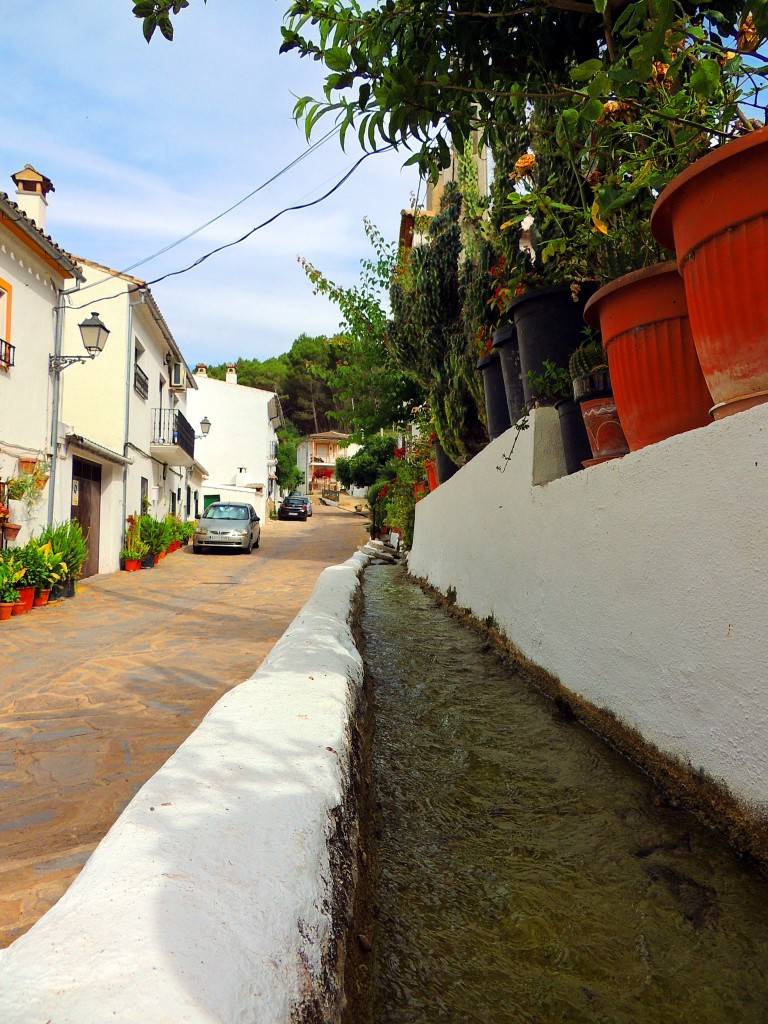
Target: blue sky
146, 143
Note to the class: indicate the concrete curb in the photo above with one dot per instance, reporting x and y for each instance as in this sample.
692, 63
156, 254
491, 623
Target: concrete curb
215, 896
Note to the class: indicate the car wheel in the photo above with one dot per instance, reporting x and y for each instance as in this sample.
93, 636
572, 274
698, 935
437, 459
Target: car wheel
258, 541
196, 549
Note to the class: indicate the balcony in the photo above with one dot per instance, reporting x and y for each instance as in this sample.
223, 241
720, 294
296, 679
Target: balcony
140, 382
173, 438
7, 354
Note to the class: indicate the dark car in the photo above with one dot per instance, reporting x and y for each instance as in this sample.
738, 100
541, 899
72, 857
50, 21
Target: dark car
292, 507
303, 497
227, 524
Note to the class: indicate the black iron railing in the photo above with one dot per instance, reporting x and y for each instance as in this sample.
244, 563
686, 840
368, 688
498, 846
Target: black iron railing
169, 426
140, 382
7, 353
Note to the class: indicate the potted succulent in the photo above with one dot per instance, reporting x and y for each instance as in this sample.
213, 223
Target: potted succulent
588, 369
134, 548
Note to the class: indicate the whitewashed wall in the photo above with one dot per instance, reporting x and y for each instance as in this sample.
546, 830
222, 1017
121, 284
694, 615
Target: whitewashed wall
241, 437
211, 897
641, 583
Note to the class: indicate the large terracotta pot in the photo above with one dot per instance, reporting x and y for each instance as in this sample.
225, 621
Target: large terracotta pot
26, 596
6, 610
431, 467
655, 373
715, 217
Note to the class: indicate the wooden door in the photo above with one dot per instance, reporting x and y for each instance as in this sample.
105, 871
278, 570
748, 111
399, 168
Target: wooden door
86, 508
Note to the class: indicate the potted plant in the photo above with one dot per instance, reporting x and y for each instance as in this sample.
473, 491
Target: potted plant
588, 369
715, 217
553, 386
657, 378
153, 533
134, 548
69, 544
10, 575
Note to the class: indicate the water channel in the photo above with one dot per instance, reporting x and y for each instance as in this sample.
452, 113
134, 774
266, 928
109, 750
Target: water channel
527, 873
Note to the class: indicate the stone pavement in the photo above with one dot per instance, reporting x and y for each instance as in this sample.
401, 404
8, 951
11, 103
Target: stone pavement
97, 692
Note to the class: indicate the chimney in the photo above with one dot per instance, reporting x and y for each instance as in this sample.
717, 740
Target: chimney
32, 188
201, 370
231, 374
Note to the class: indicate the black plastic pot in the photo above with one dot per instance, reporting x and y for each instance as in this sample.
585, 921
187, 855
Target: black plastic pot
446, 467
495, 395
574, 434
549, 326
505, 343
148, 561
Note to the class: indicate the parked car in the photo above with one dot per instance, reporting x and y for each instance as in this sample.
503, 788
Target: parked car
292, 507
227, 524
307, 501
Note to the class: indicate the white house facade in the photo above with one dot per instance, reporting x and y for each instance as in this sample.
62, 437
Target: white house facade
34, 275
240, 449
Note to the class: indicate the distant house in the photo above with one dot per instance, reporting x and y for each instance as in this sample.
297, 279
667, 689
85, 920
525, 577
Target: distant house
316, 457
35, 274
240, 450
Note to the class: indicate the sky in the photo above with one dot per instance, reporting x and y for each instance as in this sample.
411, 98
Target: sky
144, 144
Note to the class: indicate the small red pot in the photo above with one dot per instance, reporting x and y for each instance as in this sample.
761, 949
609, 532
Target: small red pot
431, 468
41, 597
26, 596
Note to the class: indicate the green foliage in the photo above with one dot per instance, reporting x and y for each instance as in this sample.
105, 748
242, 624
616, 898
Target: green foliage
156, 14
287, 472
153, 533
366, 466
400, 503
11, 576
371, 390
69, 544
550, 386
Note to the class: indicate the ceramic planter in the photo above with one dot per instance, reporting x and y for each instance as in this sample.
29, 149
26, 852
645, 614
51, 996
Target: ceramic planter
505, 343
549, 323
657, 380
594, 395
496, 411
715, 217
6, 610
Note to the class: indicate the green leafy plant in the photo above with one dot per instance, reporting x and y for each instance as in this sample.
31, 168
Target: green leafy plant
152, 533
69, 544
11, 576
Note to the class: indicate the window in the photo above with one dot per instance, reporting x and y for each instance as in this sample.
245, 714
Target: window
7, 350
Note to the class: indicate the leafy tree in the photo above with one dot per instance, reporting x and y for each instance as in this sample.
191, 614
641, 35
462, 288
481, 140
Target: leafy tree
366, 466
287, 472
372, 390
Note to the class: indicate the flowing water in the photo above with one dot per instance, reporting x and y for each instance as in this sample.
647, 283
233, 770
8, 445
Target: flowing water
527, 872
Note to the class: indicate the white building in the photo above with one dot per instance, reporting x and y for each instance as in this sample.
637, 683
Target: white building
124, 438
34, 275
240, 449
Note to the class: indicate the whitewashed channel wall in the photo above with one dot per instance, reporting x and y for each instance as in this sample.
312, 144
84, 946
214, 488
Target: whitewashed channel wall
640, 583
210, 899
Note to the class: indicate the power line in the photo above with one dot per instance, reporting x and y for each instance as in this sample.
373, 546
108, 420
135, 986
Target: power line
172, 245
237, 241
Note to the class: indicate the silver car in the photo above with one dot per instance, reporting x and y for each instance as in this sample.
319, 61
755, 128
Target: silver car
227, 524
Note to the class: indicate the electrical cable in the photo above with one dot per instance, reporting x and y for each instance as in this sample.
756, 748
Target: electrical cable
237, 241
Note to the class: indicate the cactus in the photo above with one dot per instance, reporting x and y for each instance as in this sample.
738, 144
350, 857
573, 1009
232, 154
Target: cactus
587, 358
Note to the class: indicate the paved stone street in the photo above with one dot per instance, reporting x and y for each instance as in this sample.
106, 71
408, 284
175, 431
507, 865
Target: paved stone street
98, 691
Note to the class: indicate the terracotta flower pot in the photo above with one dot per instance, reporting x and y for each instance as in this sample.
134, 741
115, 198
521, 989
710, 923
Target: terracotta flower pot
606, 438
10, 530
6, 610
431, 468
27, 596
419, 489
715, 217
656, 377
41, 597
19, 608
27, 465
132, 564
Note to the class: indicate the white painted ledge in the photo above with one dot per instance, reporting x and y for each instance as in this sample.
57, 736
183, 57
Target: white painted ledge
210, 898
641, 583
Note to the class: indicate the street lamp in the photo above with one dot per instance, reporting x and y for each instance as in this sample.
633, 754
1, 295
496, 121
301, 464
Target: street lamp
94, 335
205, 426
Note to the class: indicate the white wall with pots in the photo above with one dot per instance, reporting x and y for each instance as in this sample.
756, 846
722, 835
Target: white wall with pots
211, 898
640, 583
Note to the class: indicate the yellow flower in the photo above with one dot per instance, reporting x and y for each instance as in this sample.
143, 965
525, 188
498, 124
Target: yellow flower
600, 224
525, 165
748, 37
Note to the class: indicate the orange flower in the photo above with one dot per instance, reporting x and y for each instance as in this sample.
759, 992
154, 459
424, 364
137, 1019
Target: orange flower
615, 110
525, 165
748, 37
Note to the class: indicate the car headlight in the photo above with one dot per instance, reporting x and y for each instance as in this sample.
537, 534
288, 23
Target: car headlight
238, 533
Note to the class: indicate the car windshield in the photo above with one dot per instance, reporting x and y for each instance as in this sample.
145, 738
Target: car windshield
293, 501
227, 512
